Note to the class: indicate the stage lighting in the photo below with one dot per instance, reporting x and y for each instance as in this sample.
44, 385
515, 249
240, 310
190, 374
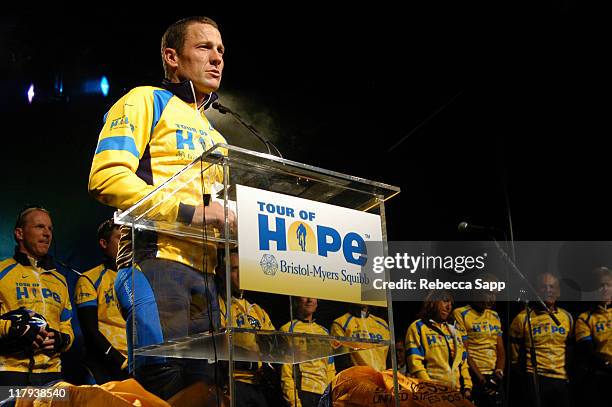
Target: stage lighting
104, 85
30, 93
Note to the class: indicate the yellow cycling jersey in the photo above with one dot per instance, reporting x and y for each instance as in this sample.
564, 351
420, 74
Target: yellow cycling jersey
550, 341
248, 316
312, 376
435, 351
43, 290
149, 135
596, 326
366, 327
96, 289
480, 332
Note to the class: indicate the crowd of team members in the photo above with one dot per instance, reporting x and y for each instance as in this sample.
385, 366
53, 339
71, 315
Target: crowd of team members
461, 348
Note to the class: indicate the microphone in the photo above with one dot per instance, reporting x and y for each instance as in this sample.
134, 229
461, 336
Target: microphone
468, 227
224, 109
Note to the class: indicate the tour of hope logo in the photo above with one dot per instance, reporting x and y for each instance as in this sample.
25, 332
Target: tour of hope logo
286, 229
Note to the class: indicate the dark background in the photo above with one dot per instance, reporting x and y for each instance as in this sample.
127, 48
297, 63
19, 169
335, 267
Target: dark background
475, 112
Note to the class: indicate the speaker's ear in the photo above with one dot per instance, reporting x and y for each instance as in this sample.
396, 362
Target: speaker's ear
171, 57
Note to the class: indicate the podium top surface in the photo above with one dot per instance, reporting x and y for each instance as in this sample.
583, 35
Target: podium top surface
224, 166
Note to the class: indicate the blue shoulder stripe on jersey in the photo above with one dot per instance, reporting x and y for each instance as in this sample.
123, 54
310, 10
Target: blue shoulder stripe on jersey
586, 338
58, 279
118, 143
419, 325
105, 117
330, 360
293, 323
496, 315
92, 303
99, 280
6, 270
326, 330
415, 351
160, 100
347, 322
65, 315
382, 324
465, 312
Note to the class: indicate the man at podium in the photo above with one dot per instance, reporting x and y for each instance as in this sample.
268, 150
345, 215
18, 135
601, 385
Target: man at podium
150, 134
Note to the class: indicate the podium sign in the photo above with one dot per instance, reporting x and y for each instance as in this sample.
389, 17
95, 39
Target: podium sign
294, 246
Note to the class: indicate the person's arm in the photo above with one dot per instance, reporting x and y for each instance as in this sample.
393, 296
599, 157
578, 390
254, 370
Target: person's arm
60, 337
516, 342
343, 361
465, 373
95, 341
288, 386
500, 361
415, 354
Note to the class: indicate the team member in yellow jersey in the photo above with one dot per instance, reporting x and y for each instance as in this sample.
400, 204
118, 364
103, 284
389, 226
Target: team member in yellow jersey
549, 342
247, 375
303, 384
35, 311
481, 331
360, 323
99, 316
150, 134
434, 349
594, 337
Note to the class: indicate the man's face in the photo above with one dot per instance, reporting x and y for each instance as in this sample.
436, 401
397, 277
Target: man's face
306, 306
34, 238
606, 288
444, 309
549, 289
110, 247
201, 59
234, 273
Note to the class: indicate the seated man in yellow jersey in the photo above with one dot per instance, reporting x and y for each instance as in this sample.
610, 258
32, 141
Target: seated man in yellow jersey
99, 316
594, 339
549, 343
304, 383
434, 349
150, 134
249, 390
360, 323
35, 311
482, 336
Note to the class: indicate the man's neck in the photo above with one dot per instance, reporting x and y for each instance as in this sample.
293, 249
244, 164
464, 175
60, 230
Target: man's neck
307, 318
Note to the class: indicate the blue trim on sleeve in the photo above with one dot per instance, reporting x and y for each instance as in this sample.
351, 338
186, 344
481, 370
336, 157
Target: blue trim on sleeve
463, 314
586, 338
160, 100
6, 270
415, 351
105, 117
92, 303
118, 143
330, 360
65, 315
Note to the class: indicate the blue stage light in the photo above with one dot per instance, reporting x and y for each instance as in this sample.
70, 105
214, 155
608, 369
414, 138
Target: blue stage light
104, 85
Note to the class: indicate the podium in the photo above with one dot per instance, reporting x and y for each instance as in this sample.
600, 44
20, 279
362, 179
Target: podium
299, 230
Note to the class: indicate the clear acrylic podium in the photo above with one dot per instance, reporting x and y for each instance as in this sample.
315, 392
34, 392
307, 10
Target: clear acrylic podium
164, 218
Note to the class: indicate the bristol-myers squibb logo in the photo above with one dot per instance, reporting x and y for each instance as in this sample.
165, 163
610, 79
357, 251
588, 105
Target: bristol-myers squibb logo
268, 264
295, 230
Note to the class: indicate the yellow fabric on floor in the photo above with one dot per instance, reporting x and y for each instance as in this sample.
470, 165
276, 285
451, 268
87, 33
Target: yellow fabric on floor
363, 386
112, 394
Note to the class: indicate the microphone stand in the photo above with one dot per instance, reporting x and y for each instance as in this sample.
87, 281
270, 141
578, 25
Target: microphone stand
523, 298
223, 110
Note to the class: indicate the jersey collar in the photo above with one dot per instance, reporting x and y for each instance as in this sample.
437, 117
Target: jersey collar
183, 91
